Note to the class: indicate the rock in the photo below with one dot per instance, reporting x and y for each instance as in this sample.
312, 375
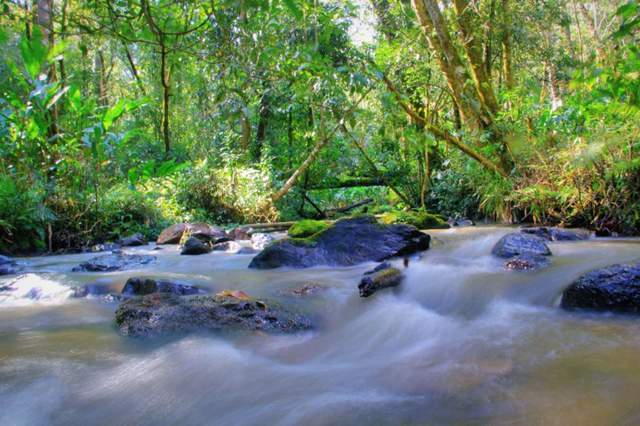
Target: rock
140, 286
383, 278
557, 234
241, 233
527, 262
517, 243
213, 232
8, 266
306, 228
133, 240
159, 313
172, 234
306, 289
236, 294
228, 246
259, 240
348, 242
462, 223
114, 262
95, 289
194, 246
105, 247
380, 267
615, 288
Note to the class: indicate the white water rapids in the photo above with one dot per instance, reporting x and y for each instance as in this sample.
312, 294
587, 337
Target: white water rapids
461, 341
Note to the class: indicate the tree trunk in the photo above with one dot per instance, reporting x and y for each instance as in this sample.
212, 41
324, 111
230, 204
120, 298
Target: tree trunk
507, 72
261, 132
432, 22
164, 76
468, 20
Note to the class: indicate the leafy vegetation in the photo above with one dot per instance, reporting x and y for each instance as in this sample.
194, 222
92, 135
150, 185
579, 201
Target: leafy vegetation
307, 228
123, 117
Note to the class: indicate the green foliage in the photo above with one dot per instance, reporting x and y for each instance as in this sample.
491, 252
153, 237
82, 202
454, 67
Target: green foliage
306, 228
419, 219
23, 217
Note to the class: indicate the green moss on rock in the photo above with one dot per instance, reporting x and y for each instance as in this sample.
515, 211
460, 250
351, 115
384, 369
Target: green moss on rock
421, 220
307, 228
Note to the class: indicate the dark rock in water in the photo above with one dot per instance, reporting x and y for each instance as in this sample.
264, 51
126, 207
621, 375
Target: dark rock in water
527, 262
114, 262
228, 246
194, 246
213, 232
133, 240
347, 242
172, 234
161, 313
384, 278
380, 267
517, 243
8, 266
615, 288
140, 286
557, 234
605, 232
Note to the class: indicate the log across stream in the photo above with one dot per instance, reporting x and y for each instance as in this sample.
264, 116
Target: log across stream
460, 341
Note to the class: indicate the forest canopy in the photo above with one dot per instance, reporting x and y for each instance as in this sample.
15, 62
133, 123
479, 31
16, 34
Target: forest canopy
123, 116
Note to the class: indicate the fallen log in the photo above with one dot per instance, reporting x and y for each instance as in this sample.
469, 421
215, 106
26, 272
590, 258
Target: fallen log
350, 207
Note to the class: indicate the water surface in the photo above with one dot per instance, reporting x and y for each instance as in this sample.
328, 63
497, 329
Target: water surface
460, 342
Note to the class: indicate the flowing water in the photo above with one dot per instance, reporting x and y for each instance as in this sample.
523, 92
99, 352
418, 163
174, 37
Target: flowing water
460, 342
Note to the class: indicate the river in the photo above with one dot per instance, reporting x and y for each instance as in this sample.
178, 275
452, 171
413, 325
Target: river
461, 341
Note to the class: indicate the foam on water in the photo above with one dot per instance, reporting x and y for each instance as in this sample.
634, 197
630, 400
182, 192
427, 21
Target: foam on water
30, 289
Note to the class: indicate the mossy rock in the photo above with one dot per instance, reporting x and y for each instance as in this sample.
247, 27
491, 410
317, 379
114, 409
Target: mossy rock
307, 228
421, 220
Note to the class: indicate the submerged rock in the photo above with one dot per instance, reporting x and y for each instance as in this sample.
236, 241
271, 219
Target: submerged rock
557, 234
348, 242
133, 240
460, 222
194, 246
161, 313
383, 278
527, 262
140, 286
260, 240
114, 262
105, 247
615, 288
517, 243
306, 289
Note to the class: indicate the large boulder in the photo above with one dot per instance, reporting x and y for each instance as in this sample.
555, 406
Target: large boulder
140, 286
175, 233
557, 234
114, 262
172, 234
194, 246
378, 279
517, 243
159, 313
7, 266
615, 288
260, 240
133, 240
348, 242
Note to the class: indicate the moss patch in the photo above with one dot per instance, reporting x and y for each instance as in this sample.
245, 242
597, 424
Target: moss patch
307, 228
419, 219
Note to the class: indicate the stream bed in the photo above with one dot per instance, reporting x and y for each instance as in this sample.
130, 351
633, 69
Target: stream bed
461, 341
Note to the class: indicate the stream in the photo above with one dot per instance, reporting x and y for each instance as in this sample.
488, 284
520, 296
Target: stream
461, 341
